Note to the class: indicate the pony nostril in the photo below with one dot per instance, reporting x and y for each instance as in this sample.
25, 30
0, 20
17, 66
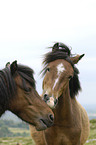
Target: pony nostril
45, 95
46, 98
51, 117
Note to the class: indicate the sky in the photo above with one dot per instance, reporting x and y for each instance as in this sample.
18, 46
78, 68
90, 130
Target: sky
29, 27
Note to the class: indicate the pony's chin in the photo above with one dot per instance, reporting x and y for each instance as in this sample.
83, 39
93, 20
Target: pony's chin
42, 126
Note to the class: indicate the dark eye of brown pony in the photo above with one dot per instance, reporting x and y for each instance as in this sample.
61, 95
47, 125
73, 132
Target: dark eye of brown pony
26, 88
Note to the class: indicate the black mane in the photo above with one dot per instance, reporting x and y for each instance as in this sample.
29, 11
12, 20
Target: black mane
8, 86
27, 73
62, 51
59, 51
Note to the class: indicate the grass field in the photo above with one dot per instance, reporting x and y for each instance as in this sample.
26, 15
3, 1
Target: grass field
92, 137
28, 140
15, 140
16, 130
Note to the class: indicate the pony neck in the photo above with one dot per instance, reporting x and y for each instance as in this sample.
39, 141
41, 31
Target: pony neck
63, 111
3, 105
2, 110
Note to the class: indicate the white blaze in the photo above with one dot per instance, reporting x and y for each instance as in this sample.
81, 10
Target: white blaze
60, 69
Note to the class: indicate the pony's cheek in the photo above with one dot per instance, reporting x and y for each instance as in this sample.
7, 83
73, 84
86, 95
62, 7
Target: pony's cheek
58, 93
61, 89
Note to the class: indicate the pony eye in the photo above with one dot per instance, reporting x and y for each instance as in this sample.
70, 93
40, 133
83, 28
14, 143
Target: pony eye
46, 97
28, 89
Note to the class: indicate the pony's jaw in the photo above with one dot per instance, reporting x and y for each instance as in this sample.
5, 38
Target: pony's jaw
41, 120
40, 123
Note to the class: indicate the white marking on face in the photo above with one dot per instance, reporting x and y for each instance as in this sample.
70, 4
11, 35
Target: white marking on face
56, 80
60, 69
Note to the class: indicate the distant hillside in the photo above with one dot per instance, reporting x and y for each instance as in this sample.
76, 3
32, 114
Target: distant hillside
91, 110
10, 116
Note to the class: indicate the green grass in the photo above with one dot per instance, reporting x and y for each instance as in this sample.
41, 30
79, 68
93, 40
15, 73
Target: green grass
18, 130
92, 136
28, 140
15, 140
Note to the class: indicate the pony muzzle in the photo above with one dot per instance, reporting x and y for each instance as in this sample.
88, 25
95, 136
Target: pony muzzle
44, 123
51, 101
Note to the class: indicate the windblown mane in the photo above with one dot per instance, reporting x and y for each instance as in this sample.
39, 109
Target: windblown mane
7, 83
59, 51
62, 51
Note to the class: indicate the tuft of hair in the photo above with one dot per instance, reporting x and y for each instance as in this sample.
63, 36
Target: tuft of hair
59, 51
62, 47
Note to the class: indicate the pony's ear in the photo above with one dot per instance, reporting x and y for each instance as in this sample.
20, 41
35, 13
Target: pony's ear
76, 58
7, 64
55, 47
13, 67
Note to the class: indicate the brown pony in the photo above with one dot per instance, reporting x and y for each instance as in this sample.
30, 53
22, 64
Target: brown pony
60, 86
18, 95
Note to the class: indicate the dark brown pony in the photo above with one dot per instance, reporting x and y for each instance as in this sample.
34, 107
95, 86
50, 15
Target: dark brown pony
60, 87
18, 95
